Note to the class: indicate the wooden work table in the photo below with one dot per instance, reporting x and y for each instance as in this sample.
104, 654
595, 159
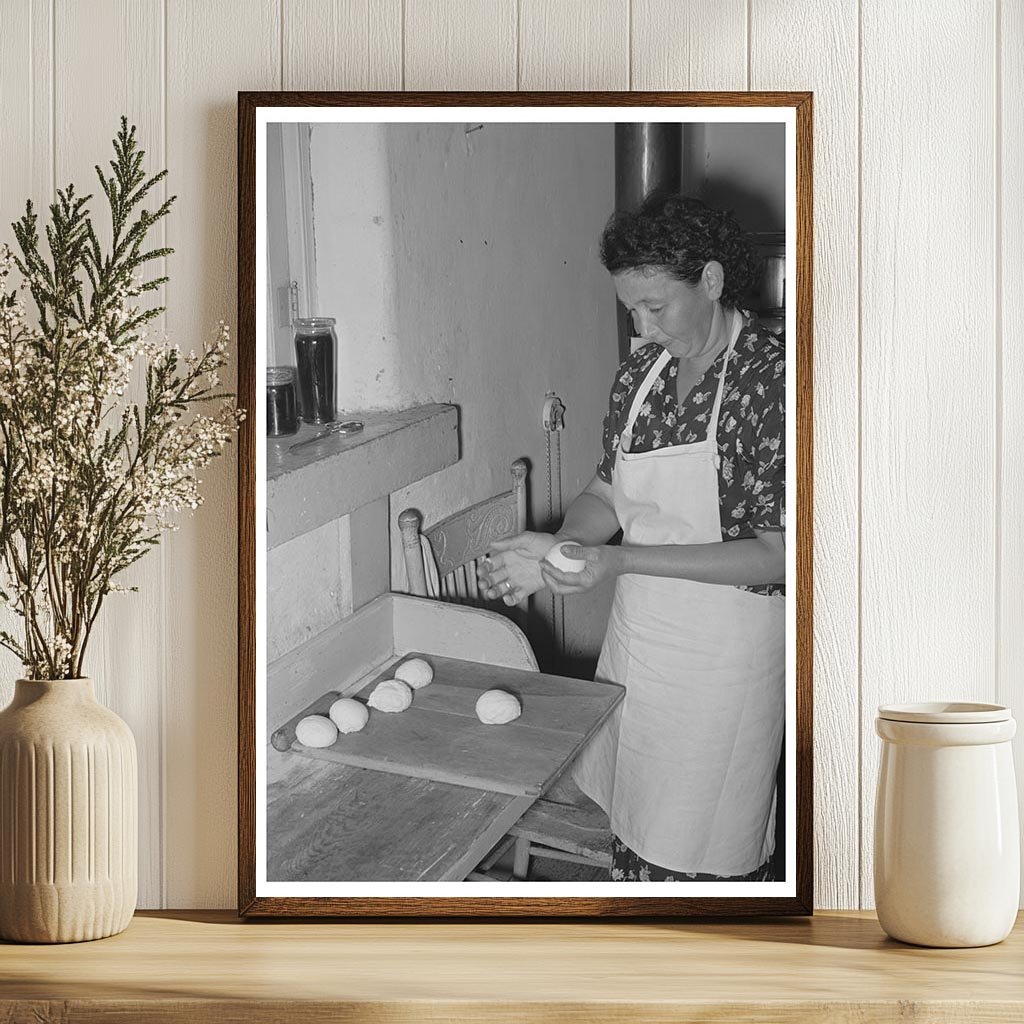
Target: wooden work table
199, 966
326, 823
449, 786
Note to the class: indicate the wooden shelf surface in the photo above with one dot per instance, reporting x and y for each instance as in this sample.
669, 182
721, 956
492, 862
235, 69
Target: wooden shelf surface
201, 966
337, 475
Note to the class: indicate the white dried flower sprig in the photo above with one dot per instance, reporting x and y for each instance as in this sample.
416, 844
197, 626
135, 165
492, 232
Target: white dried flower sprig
89, 478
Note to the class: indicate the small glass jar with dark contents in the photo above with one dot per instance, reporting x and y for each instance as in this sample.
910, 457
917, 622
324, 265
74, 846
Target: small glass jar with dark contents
282, 401
315, 346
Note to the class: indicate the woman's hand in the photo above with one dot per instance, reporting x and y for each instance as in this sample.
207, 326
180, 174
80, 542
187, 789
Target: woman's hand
511, 569
602, 564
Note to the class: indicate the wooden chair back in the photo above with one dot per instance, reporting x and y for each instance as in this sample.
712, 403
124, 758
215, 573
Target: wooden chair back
441, 561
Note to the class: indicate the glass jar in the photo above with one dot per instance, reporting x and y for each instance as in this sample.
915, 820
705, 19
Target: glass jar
315, 347
282, 401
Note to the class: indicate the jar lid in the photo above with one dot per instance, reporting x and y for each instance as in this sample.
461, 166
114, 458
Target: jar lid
280, 374
945, 712
314, 322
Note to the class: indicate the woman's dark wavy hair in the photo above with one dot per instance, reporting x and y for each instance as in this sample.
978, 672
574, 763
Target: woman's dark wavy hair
678, 235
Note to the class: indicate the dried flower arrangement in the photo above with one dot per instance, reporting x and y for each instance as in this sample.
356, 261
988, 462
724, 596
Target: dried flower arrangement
88, 477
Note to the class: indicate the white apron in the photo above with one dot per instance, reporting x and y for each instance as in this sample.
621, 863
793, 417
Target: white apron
686, 766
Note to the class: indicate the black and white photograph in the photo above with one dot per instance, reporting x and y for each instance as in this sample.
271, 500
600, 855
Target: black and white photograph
524, 625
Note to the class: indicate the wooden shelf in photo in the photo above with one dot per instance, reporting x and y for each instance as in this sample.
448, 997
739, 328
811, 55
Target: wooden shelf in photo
337, 475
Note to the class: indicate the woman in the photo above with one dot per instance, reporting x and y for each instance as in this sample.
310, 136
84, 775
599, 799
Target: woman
694, 474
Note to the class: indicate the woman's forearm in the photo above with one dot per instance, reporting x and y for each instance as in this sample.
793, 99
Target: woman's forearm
590, 519
747, 562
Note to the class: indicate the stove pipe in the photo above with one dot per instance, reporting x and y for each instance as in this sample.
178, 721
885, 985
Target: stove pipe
648, 156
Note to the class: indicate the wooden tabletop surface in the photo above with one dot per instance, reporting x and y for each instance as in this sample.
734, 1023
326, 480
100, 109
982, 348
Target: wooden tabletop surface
440, 737
324, 823
367, 807
208, 966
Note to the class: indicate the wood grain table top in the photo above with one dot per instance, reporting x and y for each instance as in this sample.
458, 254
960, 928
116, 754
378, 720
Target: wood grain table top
368, 807
441, 738
208, 966
325, 823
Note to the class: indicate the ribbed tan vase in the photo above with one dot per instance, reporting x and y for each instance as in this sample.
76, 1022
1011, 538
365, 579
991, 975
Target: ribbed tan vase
68, 815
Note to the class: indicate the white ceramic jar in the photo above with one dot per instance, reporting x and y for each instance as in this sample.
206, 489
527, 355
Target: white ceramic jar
947, 848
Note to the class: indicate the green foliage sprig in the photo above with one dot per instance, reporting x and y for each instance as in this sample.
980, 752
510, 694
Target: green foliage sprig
88, 477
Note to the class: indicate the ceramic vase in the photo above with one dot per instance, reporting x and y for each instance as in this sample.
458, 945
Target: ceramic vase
947, 847
68, 815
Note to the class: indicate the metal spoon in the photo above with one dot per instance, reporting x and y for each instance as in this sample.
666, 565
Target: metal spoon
348, 427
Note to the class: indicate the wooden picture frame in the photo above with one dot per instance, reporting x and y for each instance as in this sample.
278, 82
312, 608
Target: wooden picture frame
259, 896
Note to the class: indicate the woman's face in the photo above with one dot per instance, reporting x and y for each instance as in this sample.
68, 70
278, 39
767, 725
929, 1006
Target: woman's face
675, 314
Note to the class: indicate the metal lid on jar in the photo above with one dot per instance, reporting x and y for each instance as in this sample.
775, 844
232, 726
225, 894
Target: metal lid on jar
278, 375
945, 713
314, 323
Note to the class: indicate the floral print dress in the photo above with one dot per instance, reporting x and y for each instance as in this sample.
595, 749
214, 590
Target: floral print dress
751, 478
751, 428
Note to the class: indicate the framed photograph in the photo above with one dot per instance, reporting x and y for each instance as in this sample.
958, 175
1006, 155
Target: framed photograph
524, 626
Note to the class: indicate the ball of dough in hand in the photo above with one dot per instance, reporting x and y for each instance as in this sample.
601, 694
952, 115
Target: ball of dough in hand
496, 707
562, 561
349, 715
316, 731
415, 672
390, 695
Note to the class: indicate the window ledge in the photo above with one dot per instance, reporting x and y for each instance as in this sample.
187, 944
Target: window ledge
339, 474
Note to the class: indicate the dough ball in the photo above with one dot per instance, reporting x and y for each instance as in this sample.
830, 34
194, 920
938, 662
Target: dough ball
416, 672
390, 695
496, 707
349, 715
562, 561
316, 731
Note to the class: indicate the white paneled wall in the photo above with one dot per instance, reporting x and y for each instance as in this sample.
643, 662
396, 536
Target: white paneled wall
919, 294
1008, 421
929, 417
831, 71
